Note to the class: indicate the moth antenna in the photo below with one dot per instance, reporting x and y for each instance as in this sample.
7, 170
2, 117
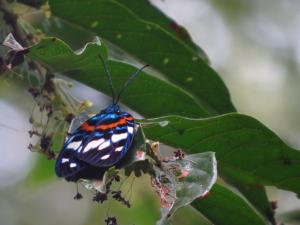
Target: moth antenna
108, 76
129, 80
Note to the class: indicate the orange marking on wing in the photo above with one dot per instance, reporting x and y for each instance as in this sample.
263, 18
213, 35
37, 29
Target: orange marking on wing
113, 125
86, 127
129, 118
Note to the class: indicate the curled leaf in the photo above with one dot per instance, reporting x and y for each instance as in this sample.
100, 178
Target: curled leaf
12, 43
184, 180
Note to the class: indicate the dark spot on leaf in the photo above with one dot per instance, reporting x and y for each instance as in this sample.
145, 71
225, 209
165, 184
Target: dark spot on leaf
286, 161
53, 39
181, 131
179, 30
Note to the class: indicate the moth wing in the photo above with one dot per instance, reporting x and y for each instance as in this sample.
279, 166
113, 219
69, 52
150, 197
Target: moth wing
67, 163
109, 142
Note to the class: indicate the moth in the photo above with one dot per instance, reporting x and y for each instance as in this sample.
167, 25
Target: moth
100, 142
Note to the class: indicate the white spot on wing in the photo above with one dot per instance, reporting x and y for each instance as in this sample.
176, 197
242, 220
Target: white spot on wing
105, 156
118, 137
93, 144
74, 145
104, 145
79, 149
64, 160
118, 149
72, 165
130, 130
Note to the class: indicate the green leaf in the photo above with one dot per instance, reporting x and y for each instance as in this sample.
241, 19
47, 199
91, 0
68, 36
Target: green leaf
148, 95
147, 12
244, 147
223, 207
256, 194
151, 43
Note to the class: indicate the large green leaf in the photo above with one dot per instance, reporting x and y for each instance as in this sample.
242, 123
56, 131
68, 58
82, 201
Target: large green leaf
151, 43
147, 94
244, 147
223, 207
